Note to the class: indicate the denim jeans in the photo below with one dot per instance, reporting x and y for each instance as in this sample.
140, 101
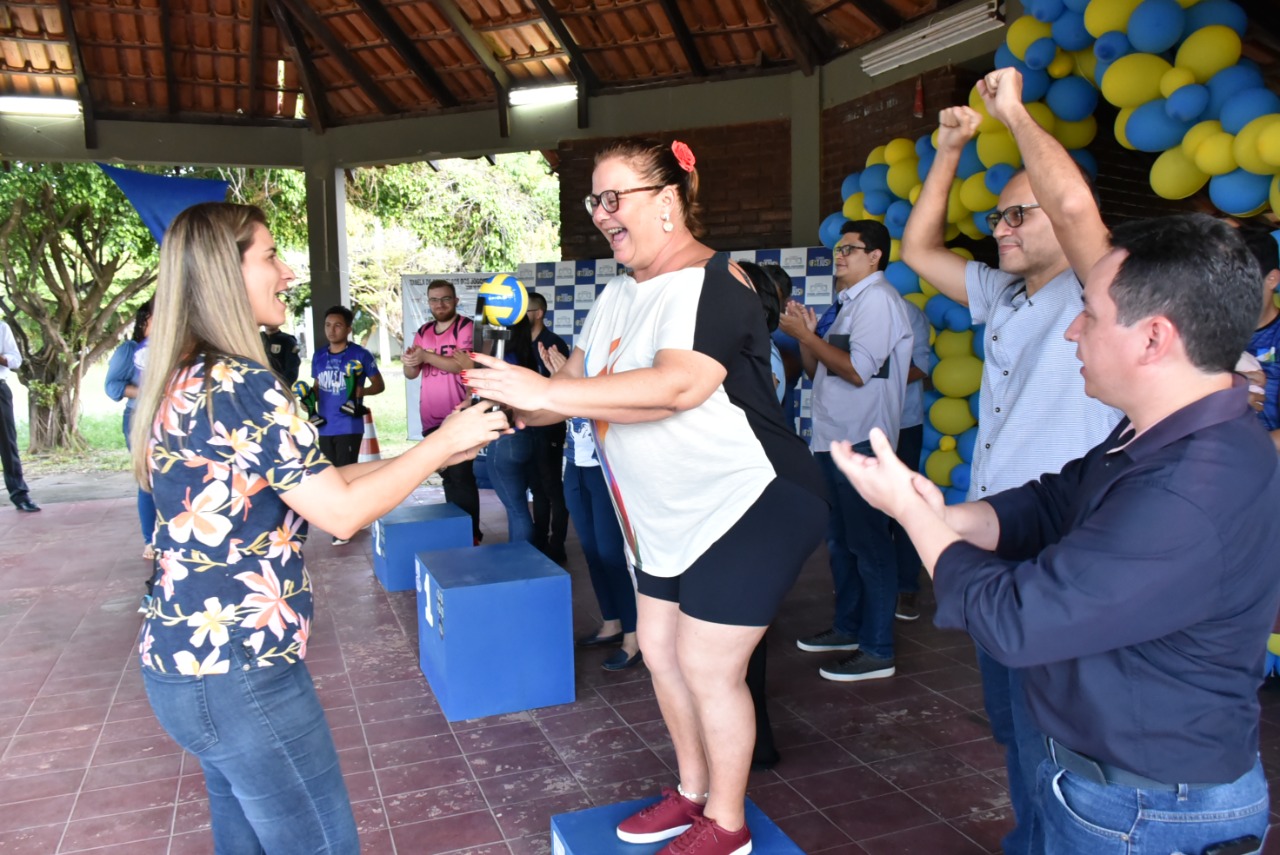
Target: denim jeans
270, 766
591, 509
863, 562
1107, 819
146, 502
910, 443
1014, 729
510, 458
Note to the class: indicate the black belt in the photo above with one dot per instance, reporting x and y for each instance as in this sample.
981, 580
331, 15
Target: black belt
1102, 773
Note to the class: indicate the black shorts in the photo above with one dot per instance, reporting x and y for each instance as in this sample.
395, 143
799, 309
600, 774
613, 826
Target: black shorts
341, 449
742, 578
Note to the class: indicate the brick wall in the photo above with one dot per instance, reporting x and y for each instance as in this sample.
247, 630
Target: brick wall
744, 174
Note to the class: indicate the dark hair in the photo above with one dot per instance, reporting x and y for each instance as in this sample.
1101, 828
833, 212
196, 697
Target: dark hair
140, 321
1264, 246
766, 290
346, 313
656, 163
520, 344
1196, 271
442, 283
874, 236
535, 297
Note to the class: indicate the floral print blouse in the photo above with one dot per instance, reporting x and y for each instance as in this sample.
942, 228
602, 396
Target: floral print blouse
229, 550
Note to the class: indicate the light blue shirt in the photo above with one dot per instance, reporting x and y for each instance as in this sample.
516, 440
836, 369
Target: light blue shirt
922, 358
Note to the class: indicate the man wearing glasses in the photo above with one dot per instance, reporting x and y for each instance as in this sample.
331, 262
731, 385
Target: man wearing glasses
859, 366
1034, 413
432, 356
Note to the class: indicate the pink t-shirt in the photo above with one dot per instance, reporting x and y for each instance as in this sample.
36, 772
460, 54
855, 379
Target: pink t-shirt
441, 391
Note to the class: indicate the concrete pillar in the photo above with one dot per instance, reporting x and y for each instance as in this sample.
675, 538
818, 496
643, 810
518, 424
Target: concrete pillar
806, 157
326, 236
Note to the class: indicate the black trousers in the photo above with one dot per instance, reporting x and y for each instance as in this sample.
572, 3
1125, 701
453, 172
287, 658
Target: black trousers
546, 482
12, 463
460, 488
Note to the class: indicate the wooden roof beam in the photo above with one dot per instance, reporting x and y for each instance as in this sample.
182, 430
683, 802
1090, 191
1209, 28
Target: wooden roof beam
255, 56
484, 54
82, 83
166, 44
680, 30
880, 13
577, 59
310, 21
317, 109
395, 34
810, 43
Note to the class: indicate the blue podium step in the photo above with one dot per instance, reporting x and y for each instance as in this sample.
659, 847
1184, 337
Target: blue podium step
409, 529
592, 832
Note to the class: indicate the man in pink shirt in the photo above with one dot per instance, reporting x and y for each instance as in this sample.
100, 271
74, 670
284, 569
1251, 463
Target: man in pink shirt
431, 355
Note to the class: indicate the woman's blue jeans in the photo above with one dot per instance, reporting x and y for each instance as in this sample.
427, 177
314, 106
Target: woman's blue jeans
510, 457
587, 495
146, 503
270, 765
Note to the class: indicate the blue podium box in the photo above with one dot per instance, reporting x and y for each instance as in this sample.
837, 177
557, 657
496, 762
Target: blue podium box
404, 532
495, 629
593, 832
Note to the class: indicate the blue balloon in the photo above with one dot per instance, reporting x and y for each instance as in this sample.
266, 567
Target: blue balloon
850, 185
1076, 5
829, 231
902, 277
1209, 12
975, 408
1156, 25
1040, 53
960, 477
970, 163
1047, 11
965, 443
1072, 98
1069, 32
1151, 128
925, 163
979, 342
936, 309
1228, 82
1188, 103
998, 176
1004, 58
1035, 83
932, 436
931, 397
957, 318
1243, 107
952, 496
877, 201
924, 146
980, 221
897, 214
1239, 192
875, 178
1086, 160
1111, 46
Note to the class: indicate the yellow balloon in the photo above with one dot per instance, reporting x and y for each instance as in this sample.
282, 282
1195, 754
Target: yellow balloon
895, 249
1275, 199
1086, 63
975, 100
1062, 65
877, 156
955, 208
1122, 119
1216, 155
1023, 32
951, 415
899, 149
1269, 146
1207, 51
988, 123
917, 299
952, 343
1199, 133
1273, 644
927, 289
1133, 80
962, 252
947, 443
970, 229
952, 232
1246, 149
913, 196
998, 147
975, 195
1175, 176
1103, 16
958, 376
1044, 117
852, 209
1174, 79
1076, 134
939, 464
903, 176
879, 218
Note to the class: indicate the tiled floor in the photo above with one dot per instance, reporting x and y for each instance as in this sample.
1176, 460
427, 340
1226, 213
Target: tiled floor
895, 766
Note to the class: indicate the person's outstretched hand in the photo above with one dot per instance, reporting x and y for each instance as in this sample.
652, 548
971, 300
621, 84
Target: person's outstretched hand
518, 388
884, 480
468, 429
1001, 92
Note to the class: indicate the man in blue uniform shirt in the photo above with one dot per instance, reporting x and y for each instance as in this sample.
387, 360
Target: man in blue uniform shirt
1136, 589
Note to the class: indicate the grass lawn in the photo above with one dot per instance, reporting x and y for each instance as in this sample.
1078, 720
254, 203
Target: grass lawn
100, 425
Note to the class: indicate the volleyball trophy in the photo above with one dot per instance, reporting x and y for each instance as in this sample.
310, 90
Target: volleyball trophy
355, 381
306, 393
500, 305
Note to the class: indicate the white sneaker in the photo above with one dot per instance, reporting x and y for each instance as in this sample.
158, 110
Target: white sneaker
339, 541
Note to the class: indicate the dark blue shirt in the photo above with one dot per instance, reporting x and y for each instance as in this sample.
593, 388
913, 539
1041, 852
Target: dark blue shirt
1263, 345
330, 372
1137, 589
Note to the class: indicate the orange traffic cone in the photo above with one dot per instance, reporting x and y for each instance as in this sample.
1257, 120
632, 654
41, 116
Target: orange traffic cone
369, 450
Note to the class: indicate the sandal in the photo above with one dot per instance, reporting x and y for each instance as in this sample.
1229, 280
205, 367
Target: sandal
148, 553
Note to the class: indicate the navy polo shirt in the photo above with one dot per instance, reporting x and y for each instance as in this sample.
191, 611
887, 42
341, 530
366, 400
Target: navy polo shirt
1137, 590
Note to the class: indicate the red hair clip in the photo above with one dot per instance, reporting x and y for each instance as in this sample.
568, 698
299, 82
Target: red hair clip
684, 155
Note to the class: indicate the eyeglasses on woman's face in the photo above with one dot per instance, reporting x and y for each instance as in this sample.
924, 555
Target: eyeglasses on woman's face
1013, 215
608, 199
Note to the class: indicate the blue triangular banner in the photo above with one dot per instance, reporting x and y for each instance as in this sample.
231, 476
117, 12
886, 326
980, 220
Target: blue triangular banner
160, 198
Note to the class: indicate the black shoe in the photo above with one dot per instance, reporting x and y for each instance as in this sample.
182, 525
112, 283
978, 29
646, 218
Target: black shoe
27, 506
620, 661
597, 640
764, 761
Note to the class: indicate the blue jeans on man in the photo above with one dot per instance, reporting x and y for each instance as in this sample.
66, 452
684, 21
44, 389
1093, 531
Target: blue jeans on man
863, 563
1013, 728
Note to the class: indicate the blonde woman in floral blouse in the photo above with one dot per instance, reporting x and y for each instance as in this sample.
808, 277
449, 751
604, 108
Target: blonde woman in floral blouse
236, 475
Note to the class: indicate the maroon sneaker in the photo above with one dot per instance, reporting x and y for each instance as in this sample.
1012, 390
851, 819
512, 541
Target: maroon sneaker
704, 837
668, 817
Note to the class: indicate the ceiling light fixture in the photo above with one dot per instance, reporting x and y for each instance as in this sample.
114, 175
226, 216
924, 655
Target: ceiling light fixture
934, 38
543, 95
27, 106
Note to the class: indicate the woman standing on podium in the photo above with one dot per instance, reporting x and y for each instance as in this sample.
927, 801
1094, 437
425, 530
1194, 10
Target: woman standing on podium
672, 367
236, 474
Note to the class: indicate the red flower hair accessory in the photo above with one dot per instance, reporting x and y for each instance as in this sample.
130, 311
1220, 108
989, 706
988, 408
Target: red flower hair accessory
684, 155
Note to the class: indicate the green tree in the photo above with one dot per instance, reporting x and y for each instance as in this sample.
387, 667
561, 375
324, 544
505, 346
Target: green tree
74, 262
